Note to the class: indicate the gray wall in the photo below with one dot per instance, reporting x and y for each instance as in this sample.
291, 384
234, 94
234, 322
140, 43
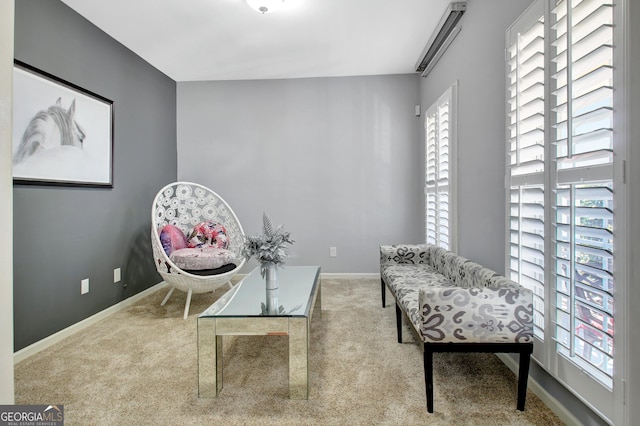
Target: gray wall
335, 160
476, 60
64, 235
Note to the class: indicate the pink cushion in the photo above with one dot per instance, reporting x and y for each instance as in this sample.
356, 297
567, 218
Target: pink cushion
201, 258
172, 238
208, 233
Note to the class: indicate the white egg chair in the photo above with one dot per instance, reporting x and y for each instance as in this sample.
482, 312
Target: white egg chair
184, 205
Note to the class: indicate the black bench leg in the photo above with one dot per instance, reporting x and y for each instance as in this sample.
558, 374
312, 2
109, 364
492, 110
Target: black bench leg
523, 376
384, 293
399, 322
428, 377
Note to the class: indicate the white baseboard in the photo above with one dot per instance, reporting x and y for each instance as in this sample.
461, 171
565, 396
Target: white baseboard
62, 334
554, 405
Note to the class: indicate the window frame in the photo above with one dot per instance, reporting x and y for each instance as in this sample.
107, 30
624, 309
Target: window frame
437, 185
608, 403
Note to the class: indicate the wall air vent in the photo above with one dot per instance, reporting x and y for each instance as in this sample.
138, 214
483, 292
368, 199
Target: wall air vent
442, 37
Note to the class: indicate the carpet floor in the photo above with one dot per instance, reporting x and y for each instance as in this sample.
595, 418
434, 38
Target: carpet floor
139, 367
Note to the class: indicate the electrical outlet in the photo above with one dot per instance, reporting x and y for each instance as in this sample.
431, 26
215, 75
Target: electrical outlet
84, 286
332, 252
117, 275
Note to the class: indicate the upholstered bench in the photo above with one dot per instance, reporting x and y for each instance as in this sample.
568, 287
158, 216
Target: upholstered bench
456, 305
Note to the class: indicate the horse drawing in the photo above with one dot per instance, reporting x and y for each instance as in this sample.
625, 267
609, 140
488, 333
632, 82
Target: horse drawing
50, 128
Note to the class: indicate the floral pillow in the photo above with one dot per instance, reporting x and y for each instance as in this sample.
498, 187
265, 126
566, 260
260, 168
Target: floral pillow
201, 258
172, 238
208, 233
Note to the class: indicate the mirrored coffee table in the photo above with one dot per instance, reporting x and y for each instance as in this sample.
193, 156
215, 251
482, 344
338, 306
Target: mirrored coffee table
249, 309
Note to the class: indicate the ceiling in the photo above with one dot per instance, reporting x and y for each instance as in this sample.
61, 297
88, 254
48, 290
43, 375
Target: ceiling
195, 40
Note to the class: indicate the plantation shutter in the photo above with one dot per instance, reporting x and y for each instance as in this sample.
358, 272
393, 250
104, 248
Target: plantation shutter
431, 157
561, 197
583, 137
526, 158
439, 162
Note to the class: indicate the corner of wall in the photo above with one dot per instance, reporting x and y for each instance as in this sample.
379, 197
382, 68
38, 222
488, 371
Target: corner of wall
6, 207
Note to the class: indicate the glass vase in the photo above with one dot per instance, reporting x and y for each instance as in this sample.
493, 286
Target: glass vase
271, 276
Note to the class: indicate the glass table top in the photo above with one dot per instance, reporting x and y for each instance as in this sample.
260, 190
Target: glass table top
296, 286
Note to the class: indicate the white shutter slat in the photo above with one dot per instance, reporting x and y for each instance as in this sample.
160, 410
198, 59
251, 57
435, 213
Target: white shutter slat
531, 63
586, 160
600, 16
602, 56
602, 76
601, 97
600, 36
582, 10
532, 92
592, 121
533, 107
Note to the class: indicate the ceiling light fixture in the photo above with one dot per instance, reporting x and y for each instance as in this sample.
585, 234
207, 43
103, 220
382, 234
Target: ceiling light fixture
265, 6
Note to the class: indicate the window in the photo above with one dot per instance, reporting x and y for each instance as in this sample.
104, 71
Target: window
561, 197
439, 171
526, 158
582, 121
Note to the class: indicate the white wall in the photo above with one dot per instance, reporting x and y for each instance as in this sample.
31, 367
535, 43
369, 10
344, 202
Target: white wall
6, 205
335, 160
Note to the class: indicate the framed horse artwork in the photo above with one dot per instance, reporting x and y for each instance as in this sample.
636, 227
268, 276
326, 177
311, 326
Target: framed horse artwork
62, 133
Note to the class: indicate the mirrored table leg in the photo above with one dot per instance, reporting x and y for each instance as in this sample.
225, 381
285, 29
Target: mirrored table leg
298, 358
209, 359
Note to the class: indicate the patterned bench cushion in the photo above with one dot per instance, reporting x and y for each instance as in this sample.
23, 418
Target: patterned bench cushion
405, 282
476, 315
412, 254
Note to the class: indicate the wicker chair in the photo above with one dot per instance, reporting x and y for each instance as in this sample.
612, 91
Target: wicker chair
185, 204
